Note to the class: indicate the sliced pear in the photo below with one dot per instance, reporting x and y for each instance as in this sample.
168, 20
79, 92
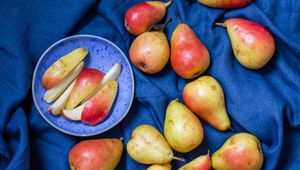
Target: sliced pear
60, 103
62, 67
112, 74
53, 93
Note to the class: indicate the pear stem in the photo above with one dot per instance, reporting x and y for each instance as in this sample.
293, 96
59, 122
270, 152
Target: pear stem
167, 4
208, 152
230, 128
179, 159
220, 24
165, 24
178, 18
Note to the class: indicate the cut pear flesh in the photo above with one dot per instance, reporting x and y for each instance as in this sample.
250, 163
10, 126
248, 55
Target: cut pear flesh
60, 103
74, 114
112, 74
53, 93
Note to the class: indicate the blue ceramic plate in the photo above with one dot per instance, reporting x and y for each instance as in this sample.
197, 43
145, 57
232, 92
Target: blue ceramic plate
103, 54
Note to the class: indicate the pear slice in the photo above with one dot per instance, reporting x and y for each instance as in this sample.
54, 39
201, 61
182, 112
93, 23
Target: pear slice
74, 114
85, 84
53, 93
60, 103
96, 108
62, 67
112, 74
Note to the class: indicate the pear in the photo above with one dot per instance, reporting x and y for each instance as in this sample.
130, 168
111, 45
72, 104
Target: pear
160, 167
62, 67
201, 163
140, 17
99, 154
189, 57
252, 44
225, 3
150, 52
148, 146
240, 151
182, 128
205, 97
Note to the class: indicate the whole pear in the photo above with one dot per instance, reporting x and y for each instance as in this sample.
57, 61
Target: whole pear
150, 52
140, 17
240, 151
205, 97
182, 128
252, 44
160, 167
225, 3
189, 57
99, 154
148, 146
201, 163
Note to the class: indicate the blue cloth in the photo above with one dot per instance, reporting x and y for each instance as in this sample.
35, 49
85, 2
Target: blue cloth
263, 102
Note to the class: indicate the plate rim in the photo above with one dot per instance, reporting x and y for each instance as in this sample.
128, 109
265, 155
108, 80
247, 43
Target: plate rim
66, 131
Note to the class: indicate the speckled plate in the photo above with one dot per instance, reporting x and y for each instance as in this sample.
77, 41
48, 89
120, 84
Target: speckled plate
103, 54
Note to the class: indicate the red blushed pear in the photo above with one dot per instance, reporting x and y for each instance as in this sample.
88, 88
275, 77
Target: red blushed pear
241, 151
85, 84
150, 51
97, 108
205, 97
225, 3
189, 57
99, 154
201, 163
252, 44
140, 17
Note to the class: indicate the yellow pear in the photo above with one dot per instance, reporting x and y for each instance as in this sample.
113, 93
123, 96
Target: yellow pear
160, 167
182, 128
148, 146
205, 97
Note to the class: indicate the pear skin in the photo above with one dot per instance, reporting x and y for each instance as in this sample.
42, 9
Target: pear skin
240, 151
252, 44
98, 107
189, 57
62, 67
205, 97
225, 3
99, 154
201, 163
148, 146
150, 52
140, 17
160, 167
182, 128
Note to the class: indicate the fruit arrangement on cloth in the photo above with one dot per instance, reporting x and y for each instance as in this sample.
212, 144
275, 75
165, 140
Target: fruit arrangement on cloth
253, 46
80, 94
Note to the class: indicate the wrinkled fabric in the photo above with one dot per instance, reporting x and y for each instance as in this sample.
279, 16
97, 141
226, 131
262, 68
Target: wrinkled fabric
263, 102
